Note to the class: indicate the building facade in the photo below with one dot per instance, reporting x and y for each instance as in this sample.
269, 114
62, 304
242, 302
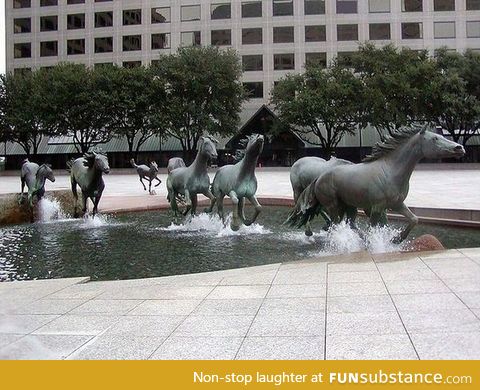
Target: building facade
272, 37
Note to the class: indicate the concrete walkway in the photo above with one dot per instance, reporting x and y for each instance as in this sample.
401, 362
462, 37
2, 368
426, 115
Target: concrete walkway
357, 306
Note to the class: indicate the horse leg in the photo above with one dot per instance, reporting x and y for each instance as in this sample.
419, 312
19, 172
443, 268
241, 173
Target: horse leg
150, 187
235, 225
351, 216
220, 207
412, 221
188, 203
258, 208
159, 181
141, 181
194, 204
22, 189
213, 200
173, 202
75, 197
84, 203
95, 201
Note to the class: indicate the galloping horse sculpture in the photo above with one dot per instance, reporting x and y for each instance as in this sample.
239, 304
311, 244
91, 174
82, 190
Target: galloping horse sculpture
87, 172
378, 184
188, 182
174, 163
304, 172
147, 173
239, 183
34, 176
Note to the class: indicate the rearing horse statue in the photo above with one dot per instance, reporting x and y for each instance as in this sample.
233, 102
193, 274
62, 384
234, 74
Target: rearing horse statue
239, 182
378, 184
187, 182
87, 172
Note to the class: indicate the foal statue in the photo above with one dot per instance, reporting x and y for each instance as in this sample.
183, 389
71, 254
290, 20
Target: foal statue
378, 184
187, 182
239, 182
87, 172
147, 173
34, 176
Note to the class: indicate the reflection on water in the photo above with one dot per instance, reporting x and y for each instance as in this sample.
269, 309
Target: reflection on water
139, 245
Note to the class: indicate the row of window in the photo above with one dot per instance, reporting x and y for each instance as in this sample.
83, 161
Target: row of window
251, 9
345, 32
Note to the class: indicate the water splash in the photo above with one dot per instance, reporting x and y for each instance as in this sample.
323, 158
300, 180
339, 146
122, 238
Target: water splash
99, 220
50, 210
212, 223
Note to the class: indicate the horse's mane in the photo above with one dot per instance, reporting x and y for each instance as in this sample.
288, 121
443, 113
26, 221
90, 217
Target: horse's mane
391, 142
89, 157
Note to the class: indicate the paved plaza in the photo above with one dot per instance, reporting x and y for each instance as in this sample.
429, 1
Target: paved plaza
357, 306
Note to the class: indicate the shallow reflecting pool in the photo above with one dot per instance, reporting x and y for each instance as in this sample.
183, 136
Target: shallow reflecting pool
147, 244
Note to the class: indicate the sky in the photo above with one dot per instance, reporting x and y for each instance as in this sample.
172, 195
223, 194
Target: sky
2, 37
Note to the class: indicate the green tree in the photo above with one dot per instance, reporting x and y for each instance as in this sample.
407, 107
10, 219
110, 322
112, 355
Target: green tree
82, 103
203, 93
456, 106
324, 103
397, 84
26, 120
139, 102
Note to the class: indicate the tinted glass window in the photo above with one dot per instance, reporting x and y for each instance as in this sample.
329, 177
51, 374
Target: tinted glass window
104, 19
132, 42
411, 30
221, 11
22, 50
22, 25
282, 7
221, 37
75, 46
160, 41
379, 31
104, 45
252, 9
473, 5
444, 5
315, 33
75, 21
412, 5
254, 89
48, 48
314, 7
49, 23
190, 12
21, 3
161, 15
347, 32
190, 38
316, 59
252, 63
283, 35
284, 61
132, 16
251, 36
346, 6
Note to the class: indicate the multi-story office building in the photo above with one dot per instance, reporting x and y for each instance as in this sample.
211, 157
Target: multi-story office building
272, 37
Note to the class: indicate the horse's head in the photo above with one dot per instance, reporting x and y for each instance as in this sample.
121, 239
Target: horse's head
255, 145
97, 160
207, 147
437, 146
154, 166
46, 171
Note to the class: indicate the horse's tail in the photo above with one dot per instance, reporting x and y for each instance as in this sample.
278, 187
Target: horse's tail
69, 165
132, 161
306, 208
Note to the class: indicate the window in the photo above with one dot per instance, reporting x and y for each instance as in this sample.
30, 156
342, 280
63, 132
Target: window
412, 6
75, 21
103, 45
132, 64
47, 3
379, 31
347, 32
252, 36
49, 23
315, 33
251, 9
254, 89
346, 6
443, 30
473, 29
190, 12
284, 61
22, 71
473, 5
316, 59
21, 4
314, 7
283, 35
221, 11
22, 50
102, 1
190, 38
75, 1
161, 15
221, 37
378, 6
132, 16
22, 25
444, 5
104, 19
161, 41
75, 46
412, 31
132, 42
48, 48
102, 64
252, 63
282, 7
344, 58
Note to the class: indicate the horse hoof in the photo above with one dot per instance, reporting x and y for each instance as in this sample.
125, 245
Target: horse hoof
235, 228
308, 233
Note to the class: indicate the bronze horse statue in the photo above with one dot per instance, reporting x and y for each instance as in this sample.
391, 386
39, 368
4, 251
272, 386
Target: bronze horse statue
87, 172
304, 172
378, 184
34, 176
147, 173
238, 182
187, 182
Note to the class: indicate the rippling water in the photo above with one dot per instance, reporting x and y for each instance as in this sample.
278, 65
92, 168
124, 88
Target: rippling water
138, 245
